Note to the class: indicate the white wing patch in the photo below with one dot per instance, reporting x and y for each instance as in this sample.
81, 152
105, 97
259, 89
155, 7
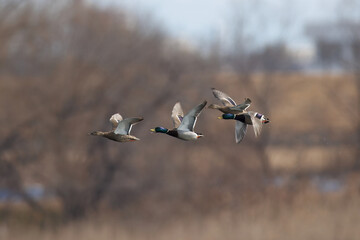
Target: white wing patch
177, 114
115, 119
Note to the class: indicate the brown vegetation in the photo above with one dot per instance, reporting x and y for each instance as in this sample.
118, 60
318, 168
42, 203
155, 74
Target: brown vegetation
66, 68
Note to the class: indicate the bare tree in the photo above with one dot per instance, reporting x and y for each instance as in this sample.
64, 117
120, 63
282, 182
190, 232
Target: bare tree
69, 66
349, 23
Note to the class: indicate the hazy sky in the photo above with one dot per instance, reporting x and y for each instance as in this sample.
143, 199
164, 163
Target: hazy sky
196, 20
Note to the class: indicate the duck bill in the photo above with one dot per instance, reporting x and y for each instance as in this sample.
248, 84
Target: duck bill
266, 121
200, 136
220, 117
152, 130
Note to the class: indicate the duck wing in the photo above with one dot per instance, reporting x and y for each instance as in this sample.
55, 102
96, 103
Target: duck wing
124, 126
189, 121
115, 119
257, 124
240, 131
177, 115
242, 106
224, 98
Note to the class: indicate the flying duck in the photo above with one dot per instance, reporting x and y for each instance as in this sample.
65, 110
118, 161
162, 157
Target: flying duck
243, 120
120, 129
183, 125
229, 105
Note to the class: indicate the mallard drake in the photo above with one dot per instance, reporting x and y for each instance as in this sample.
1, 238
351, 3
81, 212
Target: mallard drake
183, 125
230, 105
120, 129
249, 118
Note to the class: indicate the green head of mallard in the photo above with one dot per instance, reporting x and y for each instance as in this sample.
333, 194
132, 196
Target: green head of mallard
160, 130
227, 116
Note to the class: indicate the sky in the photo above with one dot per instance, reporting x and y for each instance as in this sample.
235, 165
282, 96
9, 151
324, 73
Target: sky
190, 19
267, 20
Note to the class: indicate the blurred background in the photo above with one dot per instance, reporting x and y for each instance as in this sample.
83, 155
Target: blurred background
67, 66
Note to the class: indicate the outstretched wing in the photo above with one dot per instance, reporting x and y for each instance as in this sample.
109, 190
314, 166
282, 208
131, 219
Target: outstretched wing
257, 125
189, 121
240, 131
124, 126
115, 119
177, 115
242, 106
223, 97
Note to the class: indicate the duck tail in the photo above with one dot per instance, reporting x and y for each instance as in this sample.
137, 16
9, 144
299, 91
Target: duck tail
214, 106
